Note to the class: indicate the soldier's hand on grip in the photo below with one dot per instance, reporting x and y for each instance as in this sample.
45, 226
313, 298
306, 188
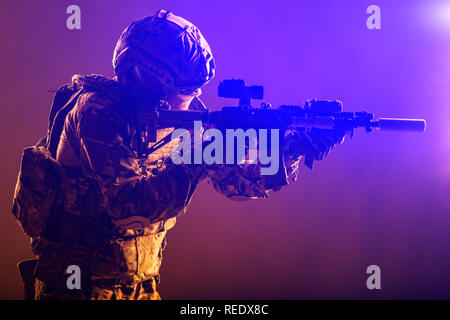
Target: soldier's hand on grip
313, 143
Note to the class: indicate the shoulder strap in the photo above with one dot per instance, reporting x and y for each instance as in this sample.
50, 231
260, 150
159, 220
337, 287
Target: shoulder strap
57, 125
62, 95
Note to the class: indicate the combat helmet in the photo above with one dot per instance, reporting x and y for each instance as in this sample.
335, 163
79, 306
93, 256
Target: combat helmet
167, 47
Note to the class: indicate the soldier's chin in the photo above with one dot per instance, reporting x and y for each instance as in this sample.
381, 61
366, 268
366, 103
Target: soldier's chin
179, 101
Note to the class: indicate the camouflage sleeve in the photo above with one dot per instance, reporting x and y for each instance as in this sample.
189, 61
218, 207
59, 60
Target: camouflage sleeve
237, 182
244, 181
106, 156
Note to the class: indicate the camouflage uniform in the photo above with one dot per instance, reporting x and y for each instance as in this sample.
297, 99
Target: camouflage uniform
116, 207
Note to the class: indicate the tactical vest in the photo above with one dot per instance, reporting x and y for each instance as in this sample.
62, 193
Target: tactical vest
50, 204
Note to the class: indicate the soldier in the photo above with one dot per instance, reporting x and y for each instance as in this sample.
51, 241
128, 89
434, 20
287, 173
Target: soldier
117, 203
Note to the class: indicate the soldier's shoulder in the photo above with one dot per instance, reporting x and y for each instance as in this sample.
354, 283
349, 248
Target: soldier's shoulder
99, 93
92, 101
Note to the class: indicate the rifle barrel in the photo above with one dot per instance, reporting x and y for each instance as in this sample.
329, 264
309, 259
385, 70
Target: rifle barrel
398, 124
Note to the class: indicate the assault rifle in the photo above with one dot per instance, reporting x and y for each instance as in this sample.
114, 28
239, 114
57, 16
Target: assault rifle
320, 114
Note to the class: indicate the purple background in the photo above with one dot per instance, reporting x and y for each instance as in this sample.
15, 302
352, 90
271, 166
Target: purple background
380, 198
